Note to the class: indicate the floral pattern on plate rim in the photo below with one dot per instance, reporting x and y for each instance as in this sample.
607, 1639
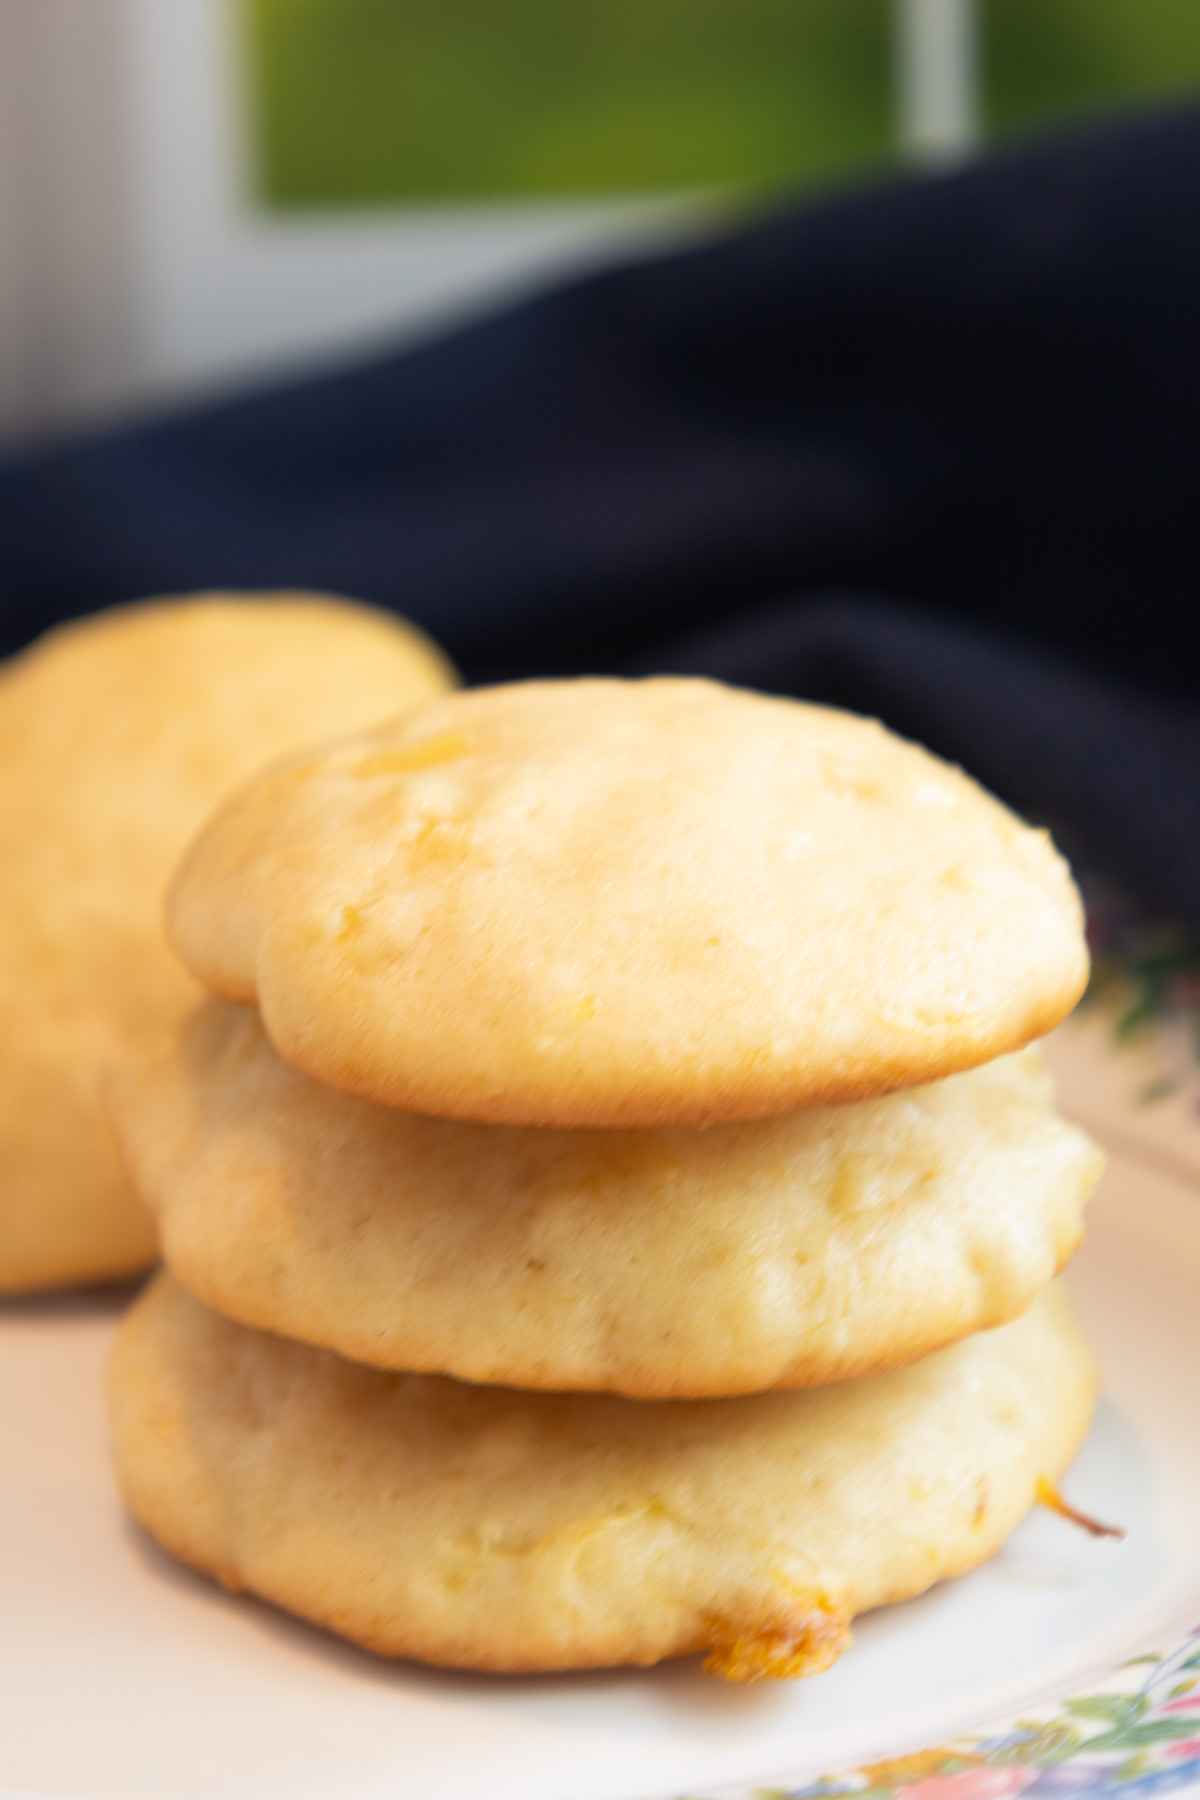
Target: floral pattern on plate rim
1136, 1733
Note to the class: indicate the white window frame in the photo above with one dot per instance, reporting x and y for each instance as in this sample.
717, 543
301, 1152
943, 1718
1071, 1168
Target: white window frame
134, 269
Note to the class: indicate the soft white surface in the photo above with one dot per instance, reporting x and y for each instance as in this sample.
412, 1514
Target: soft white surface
123, 1675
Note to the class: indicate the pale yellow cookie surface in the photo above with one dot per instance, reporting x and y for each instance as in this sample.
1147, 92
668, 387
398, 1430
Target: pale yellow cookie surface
789, 1251
117, 736
629, 903
488, 1529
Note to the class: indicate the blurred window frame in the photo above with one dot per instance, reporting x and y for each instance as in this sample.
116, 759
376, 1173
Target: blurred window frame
133, 269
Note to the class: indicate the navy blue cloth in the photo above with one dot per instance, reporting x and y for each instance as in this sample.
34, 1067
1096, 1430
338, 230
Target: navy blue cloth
930, 450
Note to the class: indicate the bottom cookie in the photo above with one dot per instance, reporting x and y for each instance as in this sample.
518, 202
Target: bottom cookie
482, 1528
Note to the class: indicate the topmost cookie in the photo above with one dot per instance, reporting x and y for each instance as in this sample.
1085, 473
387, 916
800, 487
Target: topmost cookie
629, 903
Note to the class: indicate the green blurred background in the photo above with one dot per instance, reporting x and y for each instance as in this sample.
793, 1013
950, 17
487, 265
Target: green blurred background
378, 102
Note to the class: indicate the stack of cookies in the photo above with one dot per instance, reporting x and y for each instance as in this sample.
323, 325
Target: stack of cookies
589, 1194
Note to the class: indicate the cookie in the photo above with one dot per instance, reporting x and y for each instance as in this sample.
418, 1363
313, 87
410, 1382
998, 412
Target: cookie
607, 903
117, 737
790, 1251
486, 1529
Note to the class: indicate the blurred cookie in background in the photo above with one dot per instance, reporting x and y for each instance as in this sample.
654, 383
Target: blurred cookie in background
118, 734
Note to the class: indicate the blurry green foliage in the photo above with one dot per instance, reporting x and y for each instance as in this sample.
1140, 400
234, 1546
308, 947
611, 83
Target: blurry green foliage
371, 102
1049, 59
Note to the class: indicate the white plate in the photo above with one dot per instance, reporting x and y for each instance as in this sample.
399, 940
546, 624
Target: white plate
121, 1674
